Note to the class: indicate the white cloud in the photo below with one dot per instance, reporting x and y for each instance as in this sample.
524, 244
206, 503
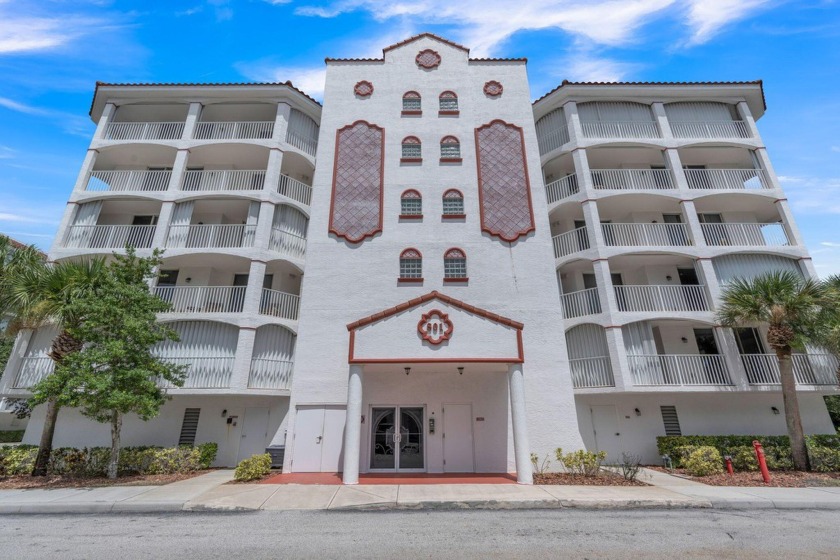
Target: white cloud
20, 107
829, 244
835, 149
23, 31
71, 123
7, 152
277, 2
309, 79
588, 68
21, 219
813, 195
707, 17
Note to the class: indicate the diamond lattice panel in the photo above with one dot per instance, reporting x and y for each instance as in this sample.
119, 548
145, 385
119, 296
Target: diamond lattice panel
357, 185
503, 181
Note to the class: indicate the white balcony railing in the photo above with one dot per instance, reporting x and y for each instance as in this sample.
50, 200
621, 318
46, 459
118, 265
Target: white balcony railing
752, 235
270, 374
279, 304
549, 141
134, 181
204, 372
561, 188
303, 142
288, 243
109, 237
580, 303
234, 130
631, 179
646, 235
32, 370
570, 242
144, 131
619, 129
591, 372
734, 179
710, 129
679, 369
295, 189
223, 180
661, 297
206, 236
809, 369
203, 299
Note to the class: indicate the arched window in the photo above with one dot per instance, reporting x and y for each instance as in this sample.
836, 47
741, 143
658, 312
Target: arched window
411, 149
453, 204
450, 149
411, 266
411, 204
455, 265
411, 103
448, 103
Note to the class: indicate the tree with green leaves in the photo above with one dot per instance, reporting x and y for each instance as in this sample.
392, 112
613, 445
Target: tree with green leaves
116, 372
795, 311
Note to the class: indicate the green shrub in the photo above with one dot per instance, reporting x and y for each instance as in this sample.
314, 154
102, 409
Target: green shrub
174, 460
586, 463
18, 459
253, 468
704, 461
743, 458
207, 453
680, 455
824, 459
14, 436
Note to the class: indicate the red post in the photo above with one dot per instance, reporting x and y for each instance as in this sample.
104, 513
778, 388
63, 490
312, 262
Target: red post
762, 462
729, 468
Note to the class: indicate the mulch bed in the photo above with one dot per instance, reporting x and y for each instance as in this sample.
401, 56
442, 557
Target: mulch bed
47, 482
778, 479
603, 479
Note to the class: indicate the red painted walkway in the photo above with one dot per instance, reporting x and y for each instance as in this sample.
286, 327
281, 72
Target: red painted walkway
393, 478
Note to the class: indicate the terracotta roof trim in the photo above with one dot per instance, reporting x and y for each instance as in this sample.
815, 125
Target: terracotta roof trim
422, 35
428, 297
493, 59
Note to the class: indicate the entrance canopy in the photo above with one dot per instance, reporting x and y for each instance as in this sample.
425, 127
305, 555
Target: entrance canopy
435, 328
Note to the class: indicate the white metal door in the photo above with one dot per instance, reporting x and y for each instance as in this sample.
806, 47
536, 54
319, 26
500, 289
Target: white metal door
254, 433
607, 434
318, 439
332, 444
458, 452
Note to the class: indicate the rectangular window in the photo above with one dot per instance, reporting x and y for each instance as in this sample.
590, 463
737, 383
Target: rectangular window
453, 206
189, 426
411, 151
411, 206
450, 150
455, 268
448, 103
411, 104
411, 268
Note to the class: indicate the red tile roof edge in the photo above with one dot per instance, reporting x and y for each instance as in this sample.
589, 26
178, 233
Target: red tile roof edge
420, 36
18, 245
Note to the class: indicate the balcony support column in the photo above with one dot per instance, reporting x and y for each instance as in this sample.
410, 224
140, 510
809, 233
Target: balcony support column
765, 165
603, 280
695, 230
281, 122
732, 357
242, 359
788, 223
573, 126
15, 362
622, 376
84, 173
353, 425
272, 172
253, 293
661, 118
706, 274
162, 228
176, 179
193, 113
745, 115
67, 220
674, 165
265, 221
107, 116
519, 425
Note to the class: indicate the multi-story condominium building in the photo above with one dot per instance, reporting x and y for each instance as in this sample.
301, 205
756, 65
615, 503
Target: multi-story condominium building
431, 273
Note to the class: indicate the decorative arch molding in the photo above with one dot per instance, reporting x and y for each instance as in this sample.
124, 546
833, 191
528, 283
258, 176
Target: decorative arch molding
358, 179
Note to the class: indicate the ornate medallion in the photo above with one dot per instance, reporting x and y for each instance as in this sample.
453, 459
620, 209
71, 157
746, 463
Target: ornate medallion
493, 88
435, 327
363, 88
428, 59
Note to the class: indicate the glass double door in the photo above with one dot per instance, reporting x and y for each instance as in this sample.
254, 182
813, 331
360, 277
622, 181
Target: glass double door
397, 438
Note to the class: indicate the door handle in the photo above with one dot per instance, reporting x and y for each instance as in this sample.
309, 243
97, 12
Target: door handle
318, 439
618, 434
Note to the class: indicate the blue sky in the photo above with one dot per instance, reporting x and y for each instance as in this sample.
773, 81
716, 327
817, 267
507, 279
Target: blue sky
53, 51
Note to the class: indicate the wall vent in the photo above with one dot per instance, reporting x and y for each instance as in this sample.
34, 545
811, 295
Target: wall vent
190, 426
671, 420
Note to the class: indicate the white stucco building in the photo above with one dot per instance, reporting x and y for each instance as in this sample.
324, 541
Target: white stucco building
432, 274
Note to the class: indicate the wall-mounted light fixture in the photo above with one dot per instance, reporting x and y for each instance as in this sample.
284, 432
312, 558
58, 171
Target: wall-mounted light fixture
224, 413
637, 411
407, 370
668, 278
189, 279
774, 409
685, 340
460, 370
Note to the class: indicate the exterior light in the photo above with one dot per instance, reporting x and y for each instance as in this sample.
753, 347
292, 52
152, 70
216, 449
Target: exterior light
774, 409
460, 370
685, 340
638, 412
407, 370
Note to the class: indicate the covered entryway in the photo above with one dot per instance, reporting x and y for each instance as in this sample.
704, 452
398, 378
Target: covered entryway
397, 439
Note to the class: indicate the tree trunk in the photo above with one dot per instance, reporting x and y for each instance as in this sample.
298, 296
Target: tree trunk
42, 461
116, 426
791, 404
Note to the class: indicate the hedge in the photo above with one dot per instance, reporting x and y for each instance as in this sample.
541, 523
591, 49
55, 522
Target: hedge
14, 436
822, 449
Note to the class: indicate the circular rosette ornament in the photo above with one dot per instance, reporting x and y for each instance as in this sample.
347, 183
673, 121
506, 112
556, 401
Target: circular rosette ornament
428, 59
435, 327
363, 88
493, 88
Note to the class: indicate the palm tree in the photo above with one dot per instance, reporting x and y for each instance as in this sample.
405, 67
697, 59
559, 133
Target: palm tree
831, 335
36, 294
793, 308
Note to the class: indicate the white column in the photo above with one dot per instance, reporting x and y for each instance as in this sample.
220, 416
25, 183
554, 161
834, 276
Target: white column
732, 357
769, 171
162, 227
265, 221
193, 114
695, 230
106, 118
674, 164
521, 448
281, 122
593, 224
253, 293
178, 167
570, 112
603, 280
618, 357
9, 375
272, 172
84, 173
662, 120
63, 227
353, 425
706, 274
788, 223
242, 359
746, 116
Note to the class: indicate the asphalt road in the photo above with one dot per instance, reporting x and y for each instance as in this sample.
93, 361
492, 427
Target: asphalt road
636, 534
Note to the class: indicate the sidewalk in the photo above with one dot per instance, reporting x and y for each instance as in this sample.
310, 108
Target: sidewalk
210, 493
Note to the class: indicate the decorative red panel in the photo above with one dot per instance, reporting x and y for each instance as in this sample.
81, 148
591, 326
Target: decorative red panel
411, 95
363, 88
411, 253
453, 193
455, 254
411, 194
428, 59
435, 327
493, 88
356, 207
504, 191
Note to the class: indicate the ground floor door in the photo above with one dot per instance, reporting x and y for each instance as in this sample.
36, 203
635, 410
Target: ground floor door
607, 435
254, 433
318, 439
397, 440
458, 450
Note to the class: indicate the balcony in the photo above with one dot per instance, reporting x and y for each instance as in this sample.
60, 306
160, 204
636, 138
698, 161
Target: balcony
580, 303
652, 298
631, 179
570, 242
710, 129
809, 369
204, 372
224, 180
234, 130
128, 181
109, 237
32, 370
288, 243
589, 373
270, 374
646, 235
203, 299
751, 234
302, 132
279, 304
552, 139
294, 189
620, 129
727, 179
561, 188
210, 236
144, 131
678, 370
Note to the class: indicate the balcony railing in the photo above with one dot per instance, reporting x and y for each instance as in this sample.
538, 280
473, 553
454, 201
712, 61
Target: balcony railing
646, 235
552, 140
631, 179
234, 130
734, 179
619, 129
203, 299
561, 188
206, 236
134, 181
302, 142
679, 369
32, 370
279, 304
809, 369
591, 372
580, 303
270, 374
288, 243
570, 242
295, 190
710, 129
661, 297
224, 180
109, 237
752, 235
144, 131
204, 372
